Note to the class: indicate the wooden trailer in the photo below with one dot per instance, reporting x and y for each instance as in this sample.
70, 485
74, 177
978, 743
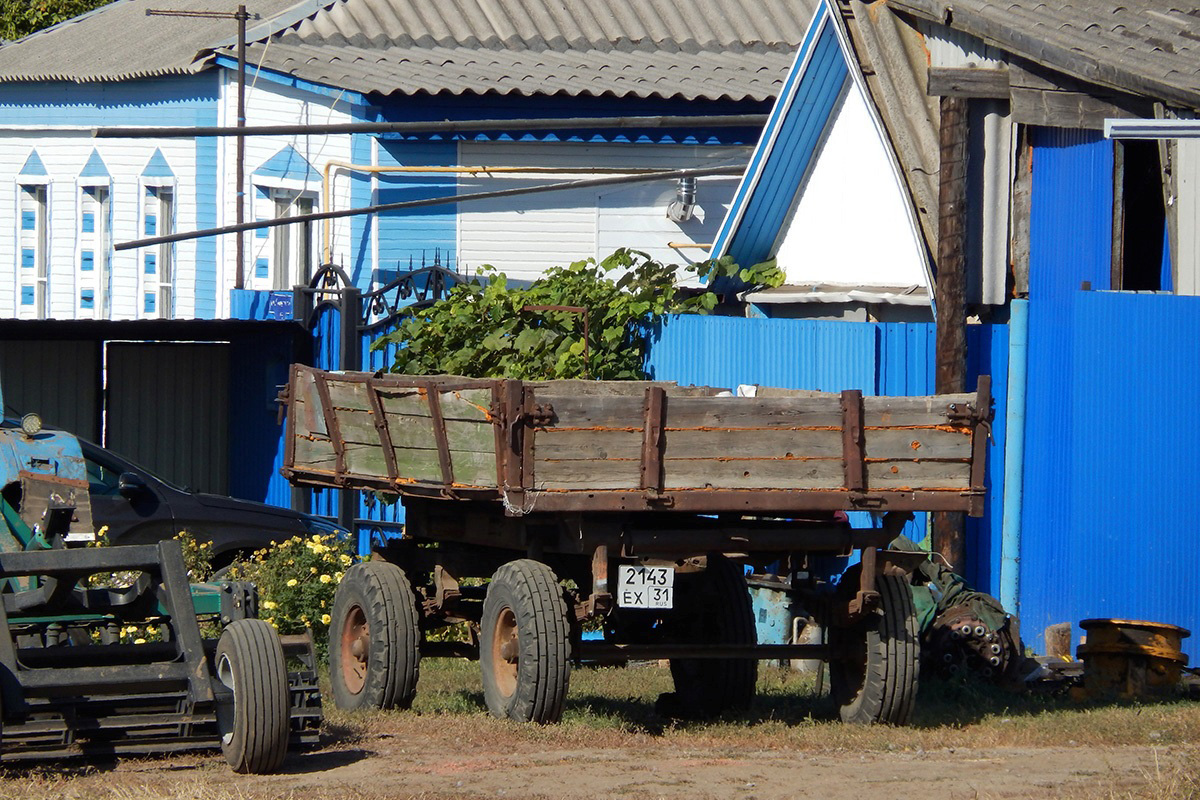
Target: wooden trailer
634, 506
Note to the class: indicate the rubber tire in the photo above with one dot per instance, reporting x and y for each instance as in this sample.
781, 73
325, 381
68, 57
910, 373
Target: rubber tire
393, 663
530, 590
716, 609
254, 732
885, 688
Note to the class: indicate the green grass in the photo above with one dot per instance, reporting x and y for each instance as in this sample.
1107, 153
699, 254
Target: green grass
616, 706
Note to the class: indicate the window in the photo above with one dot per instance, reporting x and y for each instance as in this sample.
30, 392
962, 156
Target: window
283, 254
158, 261
34, 268
94, 266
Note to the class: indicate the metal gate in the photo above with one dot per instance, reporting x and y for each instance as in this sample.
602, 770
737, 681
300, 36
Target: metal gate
167, 408
344, 323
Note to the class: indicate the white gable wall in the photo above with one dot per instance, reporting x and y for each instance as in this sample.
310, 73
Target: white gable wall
850, 223
525, 236
269, 103
64, 153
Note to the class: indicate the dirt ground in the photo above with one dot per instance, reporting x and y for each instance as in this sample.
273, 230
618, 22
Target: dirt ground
962, 743
386, 765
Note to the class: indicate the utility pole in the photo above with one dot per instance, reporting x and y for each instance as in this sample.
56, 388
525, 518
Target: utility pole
241, 16
949, 536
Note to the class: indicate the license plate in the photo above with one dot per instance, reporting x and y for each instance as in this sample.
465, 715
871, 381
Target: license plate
645, 587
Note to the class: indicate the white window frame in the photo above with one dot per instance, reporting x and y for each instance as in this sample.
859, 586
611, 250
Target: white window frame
162, 284
40, 239
100, 242
285, 247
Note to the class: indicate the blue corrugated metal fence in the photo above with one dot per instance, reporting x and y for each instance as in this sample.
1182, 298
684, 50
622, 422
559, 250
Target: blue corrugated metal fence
877, 358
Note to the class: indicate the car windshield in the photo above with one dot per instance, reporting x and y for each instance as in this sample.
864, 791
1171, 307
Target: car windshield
104, 469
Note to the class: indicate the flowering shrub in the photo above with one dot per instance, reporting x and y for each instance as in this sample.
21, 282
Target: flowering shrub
296, 580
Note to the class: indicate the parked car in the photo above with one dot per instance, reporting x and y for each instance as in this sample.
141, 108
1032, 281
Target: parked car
139, 507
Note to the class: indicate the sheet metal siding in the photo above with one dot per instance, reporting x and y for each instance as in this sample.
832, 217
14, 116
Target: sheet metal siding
168, 410
987, 354
257, 369
56, 379
796, 144
1070, 242
1135, 548
793, 354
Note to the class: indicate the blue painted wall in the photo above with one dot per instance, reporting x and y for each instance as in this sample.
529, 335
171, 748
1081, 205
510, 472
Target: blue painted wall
188, 100
410, 239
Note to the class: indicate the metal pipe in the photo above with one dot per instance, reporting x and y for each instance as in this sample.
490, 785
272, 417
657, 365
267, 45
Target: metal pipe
240, 275
1014, 457
439, 126
432, 201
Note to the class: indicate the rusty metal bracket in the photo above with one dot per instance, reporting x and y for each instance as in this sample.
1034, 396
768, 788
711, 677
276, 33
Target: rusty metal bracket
446, 589
867, 598
601, 599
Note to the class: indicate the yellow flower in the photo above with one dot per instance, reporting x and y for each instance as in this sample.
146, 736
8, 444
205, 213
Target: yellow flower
345, 559
314, 570
325, 579
326, 619
139, 641
292, 582
268, 605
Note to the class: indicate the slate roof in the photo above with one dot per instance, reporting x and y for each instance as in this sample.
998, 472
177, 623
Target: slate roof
704, 49
1145, 47
119, 42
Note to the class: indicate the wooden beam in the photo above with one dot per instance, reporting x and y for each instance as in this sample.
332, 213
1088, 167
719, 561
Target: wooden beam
968, 82
948, 528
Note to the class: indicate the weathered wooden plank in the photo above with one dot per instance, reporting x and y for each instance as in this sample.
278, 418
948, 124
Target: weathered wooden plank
918, 475
317, 453
968, 82
470, 436
754, 444
699, 444
918, 443
908, 411
467, 404
582, 388
735, 473
585, 445
587, 475
696, 412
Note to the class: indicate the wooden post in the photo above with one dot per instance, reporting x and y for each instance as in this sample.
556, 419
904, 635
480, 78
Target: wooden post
948, 535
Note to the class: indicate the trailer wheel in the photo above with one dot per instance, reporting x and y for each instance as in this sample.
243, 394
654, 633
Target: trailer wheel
524, 650
713, 607
374, 661
254, 728
877, 682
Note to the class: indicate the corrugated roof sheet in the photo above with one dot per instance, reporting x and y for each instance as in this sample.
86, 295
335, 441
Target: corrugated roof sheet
1146, 47
745, 73
712, 49
119, 42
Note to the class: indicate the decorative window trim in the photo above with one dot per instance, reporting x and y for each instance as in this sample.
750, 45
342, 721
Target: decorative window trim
21, 282
97, 280
150, 285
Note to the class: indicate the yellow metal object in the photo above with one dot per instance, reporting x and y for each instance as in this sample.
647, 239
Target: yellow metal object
1131, 658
